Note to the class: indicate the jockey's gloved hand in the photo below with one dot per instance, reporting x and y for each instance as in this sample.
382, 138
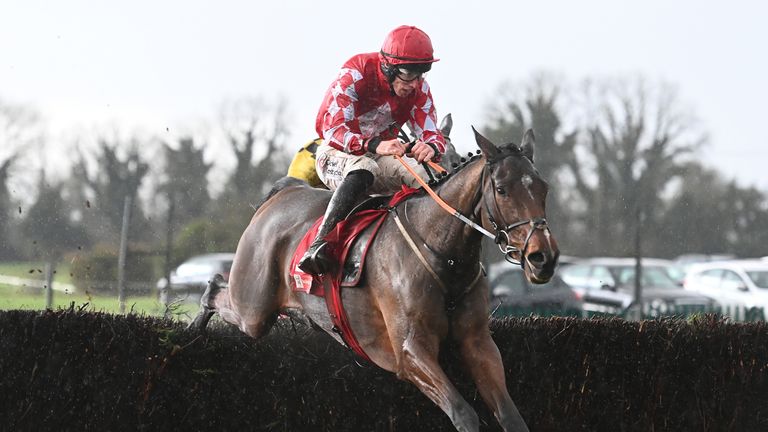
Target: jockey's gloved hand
391, 147
422, 151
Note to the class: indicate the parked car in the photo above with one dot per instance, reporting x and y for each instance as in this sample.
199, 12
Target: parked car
739, 283
684, 262
191, 277
511, 293
608, 285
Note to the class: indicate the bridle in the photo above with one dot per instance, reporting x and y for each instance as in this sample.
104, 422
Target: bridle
501, 238
503, 229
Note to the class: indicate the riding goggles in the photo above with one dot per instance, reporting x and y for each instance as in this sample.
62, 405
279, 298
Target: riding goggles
408, 75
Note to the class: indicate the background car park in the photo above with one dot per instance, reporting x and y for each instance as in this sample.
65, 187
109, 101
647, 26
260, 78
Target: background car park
739, 286
684, 262
188, 280
607, 285
512, 294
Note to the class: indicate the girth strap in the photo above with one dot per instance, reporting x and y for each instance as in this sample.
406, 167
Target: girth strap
418, 253
412, 244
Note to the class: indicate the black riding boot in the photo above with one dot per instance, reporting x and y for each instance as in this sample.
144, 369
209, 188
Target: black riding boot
351, 189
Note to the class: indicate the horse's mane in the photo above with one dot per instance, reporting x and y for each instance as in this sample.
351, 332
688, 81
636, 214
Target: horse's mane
457, 167
505, 150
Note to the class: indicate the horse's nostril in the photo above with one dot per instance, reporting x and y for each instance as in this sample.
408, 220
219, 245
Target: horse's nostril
537, 259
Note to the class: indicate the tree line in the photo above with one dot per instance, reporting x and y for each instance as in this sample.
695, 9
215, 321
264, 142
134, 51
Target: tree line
620, 156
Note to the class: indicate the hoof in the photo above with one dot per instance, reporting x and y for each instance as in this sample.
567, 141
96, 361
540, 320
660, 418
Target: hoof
207, 308
214, 286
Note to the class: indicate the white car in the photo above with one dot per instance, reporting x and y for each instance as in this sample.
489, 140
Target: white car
190, 279
740, 286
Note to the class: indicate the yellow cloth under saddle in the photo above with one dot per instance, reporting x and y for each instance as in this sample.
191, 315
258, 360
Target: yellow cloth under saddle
303, 164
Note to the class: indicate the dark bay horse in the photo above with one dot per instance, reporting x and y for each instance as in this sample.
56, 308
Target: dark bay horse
403, 310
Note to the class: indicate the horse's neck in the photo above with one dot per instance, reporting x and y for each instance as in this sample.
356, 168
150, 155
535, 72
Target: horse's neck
462, 190
441, 231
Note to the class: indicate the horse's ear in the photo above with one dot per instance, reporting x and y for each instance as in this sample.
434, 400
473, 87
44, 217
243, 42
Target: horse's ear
446, 125
489, 148
529, 141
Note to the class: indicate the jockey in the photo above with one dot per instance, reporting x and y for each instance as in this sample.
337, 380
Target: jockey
359, 119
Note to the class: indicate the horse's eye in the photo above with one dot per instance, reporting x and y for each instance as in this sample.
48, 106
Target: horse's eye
500, 190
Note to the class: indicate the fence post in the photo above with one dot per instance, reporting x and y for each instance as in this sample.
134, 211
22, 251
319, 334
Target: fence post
638, 291
48, 288
121, 257
166, 290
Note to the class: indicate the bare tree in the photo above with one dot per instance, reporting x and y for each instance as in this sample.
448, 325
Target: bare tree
185, 180
256, 133
710, 214
630, 152
538, 105
20, 131
48, 225
114, 171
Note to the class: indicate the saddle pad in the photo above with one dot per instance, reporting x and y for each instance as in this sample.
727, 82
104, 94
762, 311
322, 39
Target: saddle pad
349, 243
341, 241
329, 286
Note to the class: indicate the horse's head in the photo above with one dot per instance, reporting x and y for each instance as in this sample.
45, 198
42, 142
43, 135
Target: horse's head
513, 202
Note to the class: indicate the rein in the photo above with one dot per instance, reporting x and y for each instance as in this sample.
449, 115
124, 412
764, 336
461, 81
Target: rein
502, 234
443, 204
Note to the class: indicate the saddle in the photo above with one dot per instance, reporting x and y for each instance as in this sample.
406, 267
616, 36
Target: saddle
349, 242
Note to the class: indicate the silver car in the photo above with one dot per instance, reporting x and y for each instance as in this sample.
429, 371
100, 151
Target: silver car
607, 285
190, 278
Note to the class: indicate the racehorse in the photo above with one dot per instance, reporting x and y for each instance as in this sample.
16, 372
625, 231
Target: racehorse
406, 307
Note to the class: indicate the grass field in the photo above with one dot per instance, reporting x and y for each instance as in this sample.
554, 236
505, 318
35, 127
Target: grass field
27, 299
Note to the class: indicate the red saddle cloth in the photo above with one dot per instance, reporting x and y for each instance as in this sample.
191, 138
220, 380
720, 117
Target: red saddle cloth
340, 241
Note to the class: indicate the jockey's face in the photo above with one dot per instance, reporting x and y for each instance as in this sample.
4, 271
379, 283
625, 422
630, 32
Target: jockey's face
404, 88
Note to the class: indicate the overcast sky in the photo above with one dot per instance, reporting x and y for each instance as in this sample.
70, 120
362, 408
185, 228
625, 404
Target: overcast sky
152, 65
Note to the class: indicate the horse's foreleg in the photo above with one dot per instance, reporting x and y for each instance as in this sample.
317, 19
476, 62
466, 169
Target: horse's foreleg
482, 359
421, 367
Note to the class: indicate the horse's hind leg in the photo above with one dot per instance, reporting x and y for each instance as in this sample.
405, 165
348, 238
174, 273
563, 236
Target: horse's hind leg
208, 303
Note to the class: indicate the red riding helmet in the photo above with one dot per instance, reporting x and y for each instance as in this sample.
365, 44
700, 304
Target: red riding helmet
407, 45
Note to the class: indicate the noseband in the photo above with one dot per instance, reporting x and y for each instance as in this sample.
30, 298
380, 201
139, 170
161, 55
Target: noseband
502, 230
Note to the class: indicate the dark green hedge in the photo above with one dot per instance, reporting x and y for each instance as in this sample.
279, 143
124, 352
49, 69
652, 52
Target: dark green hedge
72, 370
93, 271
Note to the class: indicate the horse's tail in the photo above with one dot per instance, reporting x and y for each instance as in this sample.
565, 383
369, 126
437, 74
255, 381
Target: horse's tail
279, 185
